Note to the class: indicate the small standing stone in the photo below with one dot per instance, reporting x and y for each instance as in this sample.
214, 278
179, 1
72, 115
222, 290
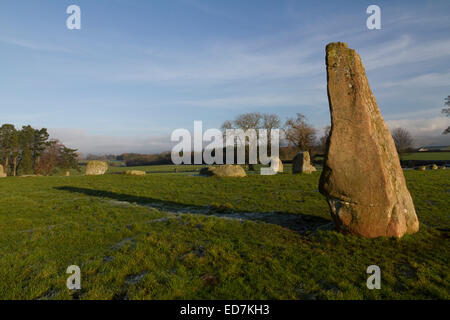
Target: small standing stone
2, 172
277, 164
135, 173
95, 168
302, 163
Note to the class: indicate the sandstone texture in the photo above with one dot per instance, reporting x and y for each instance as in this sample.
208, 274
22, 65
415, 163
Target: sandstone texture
302, 163
96, 168
277, 164
2, 172
227, 170
135, 173
362, 178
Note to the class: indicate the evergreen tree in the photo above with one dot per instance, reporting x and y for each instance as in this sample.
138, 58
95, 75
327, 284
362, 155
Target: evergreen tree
40, 142
7, 134
15, 151
68, 158
26, 145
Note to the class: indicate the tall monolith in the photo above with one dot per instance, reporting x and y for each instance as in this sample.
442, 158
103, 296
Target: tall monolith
362, 178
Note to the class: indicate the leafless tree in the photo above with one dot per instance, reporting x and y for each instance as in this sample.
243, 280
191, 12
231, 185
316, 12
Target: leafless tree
247, 121
270, 122
446, 111
402, 139
323, 140
254, 120
299, 133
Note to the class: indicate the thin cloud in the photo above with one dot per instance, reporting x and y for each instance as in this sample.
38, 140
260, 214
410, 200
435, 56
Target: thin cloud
30, 45
427, 80
404, 50
429, 126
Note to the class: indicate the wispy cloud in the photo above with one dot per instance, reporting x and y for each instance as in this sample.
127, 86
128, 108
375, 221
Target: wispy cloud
427, 126
403, 50
225, 62
310, 98
427, 80
32, 45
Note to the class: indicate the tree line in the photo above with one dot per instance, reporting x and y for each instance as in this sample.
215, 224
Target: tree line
446, 111
296, 132
28, 151
296, 135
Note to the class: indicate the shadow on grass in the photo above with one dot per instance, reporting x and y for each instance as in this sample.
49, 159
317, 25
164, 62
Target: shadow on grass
299, 223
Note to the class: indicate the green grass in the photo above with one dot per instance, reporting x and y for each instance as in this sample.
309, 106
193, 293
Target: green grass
133, 239
426, 156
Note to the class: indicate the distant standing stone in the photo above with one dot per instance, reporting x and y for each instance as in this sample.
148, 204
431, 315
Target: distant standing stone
135, 173
277, 164
67, 173
362, 178
2, 172
434, 167
227, 170
302, 163
95, 168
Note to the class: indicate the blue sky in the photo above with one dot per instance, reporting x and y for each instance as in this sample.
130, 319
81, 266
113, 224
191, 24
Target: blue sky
139, 69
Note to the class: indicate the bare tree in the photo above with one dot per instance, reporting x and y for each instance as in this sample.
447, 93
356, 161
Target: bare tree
243, 121
446, 111
402, 139
323, 140
247, 121
299, 133
270, 122
254, 120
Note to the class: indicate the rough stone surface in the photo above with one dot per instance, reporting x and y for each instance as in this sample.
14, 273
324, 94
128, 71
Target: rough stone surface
277, 163
302, 163
135, 173
362, 178
227, 170
95, 168
2, 172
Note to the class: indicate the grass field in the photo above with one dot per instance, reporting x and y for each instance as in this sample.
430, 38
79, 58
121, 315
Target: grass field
182, 236
426, 156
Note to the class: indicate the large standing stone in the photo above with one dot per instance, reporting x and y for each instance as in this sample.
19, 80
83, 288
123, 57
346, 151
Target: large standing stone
362, 177
2, 172
95, 168
302, 163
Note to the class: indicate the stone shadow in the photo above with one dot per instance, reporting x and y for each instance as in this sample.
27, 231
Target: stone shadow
299, 223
